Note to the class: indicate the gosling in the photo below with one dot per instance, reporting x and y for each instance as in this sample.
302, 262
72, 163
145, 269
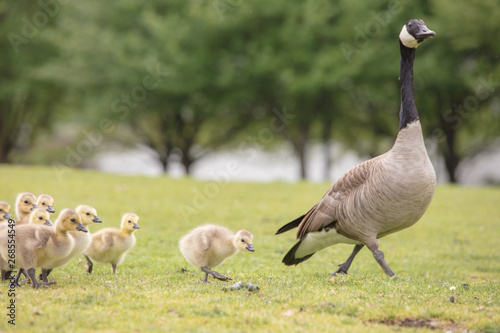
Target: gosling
208, 246
110, 245
36, 245
25, 202
47, 202
4, 212
82, 240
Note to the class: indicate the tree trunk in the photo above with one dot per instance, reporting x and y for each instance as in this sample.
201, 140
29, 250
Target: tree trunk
325, 137
451, 158
300, 148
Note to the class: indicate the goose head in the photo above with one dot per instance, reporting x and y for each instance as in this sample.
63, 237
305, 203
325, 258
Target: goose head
25, 203
130, 223
88, 215
69, 220
414, 32
47, 202
243, 241
40, 216
4, 211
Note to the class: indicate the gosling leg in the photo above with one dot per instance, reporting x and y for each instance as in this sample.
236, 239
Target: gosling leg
214, 274
345, 266
379, 256
89, 264
31, 274
40, 276
114, 268
16, 279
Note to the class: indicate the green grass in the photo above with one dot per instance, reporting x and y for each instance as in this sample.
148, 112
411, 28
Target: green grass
455, 243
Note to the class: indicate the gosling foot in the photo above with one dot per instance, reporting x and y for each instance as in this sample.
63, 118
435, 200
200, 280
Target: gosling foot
214, 274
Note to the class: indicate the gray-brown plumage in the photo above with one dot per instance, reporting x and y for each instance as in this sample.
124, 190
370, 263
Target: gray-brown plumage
37, 245
380, 196
210, 245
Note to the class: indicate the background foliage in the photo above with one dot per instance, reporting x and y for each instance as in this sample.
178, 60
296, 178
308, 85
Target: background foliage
187, 77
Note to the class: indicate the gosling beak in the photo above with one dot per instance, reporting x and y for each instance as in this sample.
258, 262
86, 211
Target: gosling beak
136, 226
34, 206
51, 210
47, 222
81, 228
6, 215
250, 248
96, 219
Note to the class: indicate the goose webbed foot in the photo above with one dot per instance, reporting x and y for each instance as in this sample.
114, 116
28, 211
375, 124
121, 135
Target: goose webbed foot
343, 268
214, 274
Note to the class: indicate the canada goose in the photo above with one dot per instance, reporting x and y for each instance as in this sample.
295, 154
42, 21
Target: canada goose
25, 202
4, 212
380, 196
47, 202
82, 240
208, 246
36, 245
110, 245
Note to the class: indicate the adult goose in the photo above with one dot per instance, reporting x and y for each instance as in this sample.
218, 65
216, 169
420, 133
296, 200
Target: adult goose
380, 196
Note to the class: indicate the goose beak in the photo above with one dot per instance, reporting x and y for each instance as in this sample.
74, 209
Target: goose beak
81, 228
96, 219
6, 215
50, 209
424, 33
136, 226
250, 248
47, 222
34, 206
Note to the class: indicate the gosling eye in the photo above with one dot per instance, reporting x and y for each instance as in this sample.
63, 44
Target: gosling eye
129, 221
43, 204
242, 240
40, 218
88, 214
1, 210
26, 201
73, 220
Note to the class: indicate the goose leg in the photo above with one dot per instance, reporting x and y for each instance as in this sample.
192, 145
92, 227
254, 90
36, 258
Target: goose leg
89, 264
45, 281
5, 275
214, 274
114, 268
15, 283
40, 276
205, 280
345, 266
31, 274
379, 256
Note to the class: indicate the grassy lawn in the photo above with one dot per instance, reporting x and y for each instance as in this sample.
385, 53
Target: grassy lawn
456, 244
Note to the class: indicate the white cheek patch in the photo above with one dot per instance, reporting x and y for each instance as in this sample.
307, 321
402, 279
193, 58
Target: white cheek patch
407, 39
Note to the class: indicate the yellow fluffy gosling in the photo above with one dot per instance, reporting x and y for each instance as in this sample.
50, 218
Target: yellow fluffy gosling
82, 240
25, 202
36, 245
47, 202
4, 212
110, 245
208, 246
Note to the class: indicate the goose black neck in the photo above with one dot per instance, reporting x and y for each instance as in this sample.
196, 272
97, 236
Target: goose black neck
408, 112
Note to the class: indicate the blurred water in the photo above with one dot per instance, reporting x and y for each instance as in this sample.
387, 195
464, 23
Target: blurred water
280, 164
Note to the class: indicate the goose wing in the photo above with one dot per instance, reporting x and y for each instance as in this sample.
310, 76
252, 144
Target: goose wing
346, 189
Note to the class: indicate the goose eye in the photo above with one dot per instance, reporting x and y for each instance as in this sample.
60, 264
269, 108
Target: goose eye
25, 201
43, 204
1, 210
242, 240
40, 218
73, 220
88, 213
129, 221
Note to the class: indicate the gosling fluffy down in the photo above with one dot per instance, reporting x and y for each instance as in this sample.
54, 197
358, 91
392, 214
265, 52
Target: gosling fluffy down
25, 202
210, 245
110, 245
